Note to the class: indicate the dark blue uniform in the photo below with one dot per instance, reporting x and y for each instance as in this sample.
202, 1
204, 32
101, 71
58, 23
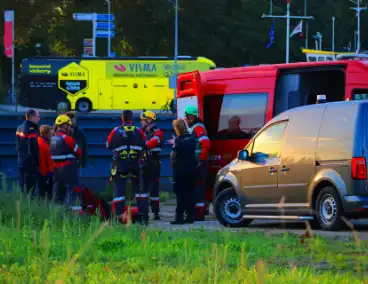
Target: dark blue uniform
28, 154
184, 172
127, 143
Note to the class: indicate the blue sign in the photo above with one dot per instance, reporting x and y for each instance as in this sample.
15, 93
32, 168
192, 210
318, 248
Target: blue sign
105, 17
105, 26
83, 17
112, 54
105, 34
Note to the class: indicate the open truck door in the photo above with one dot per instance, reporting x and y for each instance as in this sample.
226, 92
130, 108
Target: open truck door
188, 91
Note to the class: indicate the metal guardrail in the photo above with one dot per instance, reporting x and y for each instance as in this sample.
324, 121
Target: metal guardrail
97, 127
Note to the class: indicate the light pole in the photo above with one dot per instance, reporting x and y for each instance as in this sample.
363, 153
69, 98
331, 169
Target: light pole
109, 28
333, 34
358, 9
176, 67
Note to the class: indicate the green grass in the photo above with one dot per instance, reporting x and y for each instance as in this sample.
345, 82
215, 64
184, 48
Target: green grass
40, 243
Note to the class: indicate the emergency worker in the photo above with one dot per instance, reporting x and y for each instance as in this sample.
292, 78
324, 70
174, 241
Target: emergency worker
184, 163
65, 153
46, 164
199, 131
27, 151
127, 143
80, 137
152, 163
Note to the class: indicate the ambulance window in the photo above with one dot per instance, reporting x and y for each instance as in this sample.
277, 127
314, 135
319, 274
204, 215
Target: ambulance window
241, 115
359, 95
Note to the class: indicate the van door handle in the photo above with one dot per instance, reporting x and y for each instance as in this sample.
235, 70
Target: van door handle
272, 170
285, 169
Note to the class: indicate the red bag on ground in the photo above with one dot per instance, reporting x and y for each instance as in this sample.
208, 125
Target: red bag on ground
134, 214
94, 205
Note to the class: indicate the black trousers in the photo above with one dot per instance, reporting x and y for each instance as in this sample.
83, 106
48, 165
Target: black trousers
184, 184
27, 179
45, 185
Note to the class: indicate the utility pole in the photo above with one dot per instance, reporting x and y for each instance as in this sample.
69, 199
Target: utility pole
358, 9
287, 17
306, 25
333, 34
109, 36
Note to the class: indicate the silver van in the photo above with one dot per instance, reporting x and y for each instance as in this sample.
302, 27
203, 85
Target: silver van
308, 163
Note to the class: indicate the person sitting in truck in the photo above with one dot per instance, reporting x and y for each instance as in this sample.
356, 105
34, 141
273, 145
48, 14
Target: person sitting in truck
233, 131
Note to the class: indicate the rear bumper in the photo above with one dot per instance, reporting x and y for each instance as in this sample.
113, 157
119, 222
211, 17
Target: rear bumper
355, 204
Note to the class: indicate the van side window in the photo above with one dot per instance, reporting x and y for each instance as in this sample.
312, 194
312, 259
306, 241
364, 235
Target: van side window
241, 116
268, 143
360, 94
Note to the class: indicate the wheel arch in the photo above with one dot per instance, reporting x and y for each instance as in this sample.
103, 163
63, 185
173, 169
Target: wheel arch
83, 99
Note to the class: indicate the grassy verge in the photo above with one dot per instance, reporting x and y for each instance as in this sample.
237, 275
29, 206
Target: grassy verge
40, 243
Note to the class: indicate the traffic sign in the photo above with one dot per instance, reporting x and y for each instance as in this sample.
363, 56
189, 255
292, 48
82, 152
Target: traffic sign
105, 34
88, 50
83, 16
105, 26
105, 17
88, 42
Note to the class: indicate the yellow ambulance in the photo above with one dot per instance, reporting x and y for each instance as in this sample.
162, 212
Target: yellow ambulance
86, 84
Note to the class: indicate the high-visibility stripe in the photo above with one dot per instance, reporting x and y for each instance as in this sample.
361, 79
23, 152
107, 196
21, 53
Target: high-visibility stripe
63, 136
156, 150
203, 138
139, 148
124, 147
63, 157
155, 198
121, 148
199, 205
119, 199
157, 138
76, 148
143, 195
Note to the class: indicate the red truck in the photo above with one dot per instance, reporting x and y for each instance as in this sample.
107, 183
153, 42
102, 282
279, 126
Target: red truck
235, 103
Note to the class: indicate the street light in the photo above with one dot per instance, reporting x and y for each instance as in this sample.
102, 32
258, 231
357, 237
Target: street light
176, 52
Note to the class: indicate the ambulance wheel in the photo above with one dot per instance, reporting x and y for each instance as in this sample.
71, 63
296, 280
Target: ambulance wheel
62, 106
228, 210
83, 105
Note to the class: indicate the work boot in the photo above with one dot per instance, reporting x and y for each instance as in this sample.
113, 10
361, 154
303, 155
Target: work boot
178, 220
207, 211
200, 219
157, 217
189, 218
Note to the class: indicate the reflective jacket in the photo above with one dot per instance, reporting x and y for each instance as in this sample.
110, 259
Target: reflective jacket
26, 145
203, 142
63, 149
126, 142
155, 137
46, 163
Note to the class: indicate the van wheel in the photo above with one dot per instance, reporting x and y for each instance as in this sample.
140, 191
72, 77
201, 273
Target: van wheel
62, 106
329, 209
83, 106
228, 210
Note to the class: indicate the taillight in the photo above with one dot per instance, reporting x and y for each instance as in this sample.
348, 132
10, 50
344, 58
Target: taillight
358, 168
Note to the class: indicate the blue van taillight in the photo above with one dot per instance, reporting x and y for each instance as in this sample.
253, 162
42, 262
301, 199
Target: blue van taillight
359, 168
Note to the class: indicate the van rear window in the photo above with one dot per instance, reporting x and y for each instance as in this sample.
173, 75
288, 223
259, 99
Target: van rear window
235, 116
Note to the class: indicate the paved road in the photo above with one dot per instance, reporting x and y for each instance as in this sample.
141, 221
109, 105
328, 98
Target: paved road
269, 227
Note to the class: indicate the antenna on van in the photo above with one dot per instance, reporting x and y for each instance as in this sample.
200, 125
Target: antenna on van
321, 99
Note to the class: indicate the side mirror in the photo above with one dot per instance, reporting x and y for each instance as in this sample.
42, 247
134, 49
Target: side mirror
243, 155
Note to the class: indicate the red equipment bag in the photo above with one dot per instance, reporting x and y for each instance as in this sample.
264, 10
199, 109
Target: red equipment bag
134, 214
94, 205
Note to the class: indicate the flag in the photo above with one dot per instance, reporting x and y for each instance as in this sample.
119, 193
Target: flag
298, 29
8, 33
272, 34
